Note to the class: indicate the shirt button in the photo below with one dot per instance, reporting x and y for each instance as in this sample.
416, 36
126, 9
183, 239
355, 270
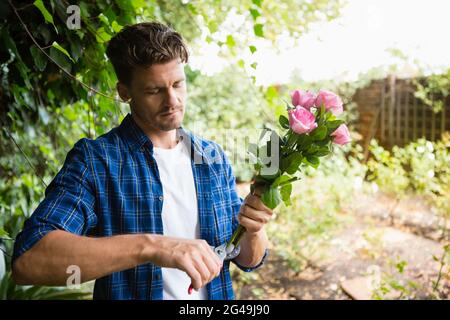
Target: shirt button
161, 198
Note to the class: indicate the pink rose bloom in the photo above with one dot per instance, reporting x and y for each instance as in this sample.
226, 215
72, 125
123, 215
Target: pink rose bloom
302, 98
341, 135
331, 101
301, 120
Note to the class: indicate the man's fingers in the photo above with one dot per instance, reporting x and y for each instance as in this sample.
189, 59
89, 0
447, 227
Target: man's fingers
250, 224
257, 215
256, 203
196, 278
214, 256
203, 269
200, 262
213, 267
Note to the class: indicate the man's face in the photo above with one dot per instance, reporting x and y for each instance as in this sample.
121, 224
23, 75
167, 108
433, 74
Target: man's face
158, 95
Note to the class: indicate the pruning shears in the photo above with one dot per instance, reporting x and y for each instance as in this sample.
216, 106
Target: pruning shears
224, 252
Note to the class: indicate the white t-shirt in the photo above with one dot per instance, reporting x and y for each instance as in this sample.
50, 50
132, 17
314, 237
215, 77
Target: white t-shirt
179, 214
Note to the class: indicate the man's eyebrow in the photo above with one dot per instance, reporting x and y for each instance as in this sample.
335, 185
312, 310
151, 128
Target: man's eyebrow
152, 87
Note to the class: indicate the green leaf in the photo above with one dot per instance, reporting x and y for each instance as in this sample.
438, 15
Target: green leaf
57, 46
44, 31
312, 161
280, 180
115, 26
304, 141
47, 15
253, 65
257, 2
230, 41
76, 49
258, 30
323, 151
102, 36
40, 60
313, 149
333, 125
319, 133
137, 4
103, 19
292, 138
252, 49
291, 163
255, 13
271, 198
284, 122
401, 266
285, 192
3, 233
19, 64
213, 26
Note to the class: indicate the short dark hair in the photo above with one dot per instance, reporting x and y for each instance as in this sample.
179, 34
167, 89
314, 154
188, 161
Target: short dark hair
142, 45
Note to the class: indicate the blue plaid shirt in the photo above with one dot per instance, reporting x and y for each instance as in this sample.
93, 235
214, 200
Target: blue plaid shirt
111, 186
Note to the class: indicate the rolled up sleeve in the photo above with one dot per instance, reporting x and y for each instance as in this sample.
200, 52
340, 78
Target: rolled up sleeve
68, 204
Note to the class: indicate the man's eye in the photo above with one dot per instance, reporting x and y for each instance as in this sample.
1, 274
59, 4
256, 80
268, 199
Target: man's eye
178, 84
152, 92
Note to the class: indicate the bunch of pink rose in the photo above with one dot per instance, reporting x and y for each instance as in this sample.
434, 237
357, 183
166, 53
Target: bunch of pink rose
313, 125
302, 120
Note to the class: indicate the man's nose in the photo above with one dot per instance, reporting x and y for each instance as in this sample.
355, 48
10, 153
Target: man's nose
171, 97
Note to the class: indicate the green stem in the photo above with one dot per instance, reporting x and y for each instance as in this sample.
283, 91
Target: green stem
237, 236
240, 230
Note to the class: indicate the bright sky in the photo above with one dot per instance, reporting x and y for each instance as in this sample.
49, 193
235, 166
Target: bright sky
355, 42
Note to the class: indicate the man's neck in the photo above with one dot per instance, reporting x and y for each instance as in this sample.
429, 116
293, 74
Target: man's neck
160, 138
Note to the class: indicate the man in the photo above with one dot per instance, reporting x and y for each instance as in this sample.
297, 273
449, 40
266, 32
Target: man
135, 209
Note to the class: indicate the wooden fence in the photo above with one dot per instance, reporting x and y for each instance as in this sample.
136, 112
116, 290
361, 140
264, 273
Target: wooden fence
390, 113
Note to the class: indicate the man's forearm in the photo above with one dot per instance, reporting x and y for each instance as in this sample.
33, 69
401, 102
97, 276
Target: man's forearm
253, 247
47, 262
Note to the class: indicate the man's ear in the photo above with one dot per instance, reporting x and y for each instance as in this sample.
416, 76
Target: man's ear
123, 91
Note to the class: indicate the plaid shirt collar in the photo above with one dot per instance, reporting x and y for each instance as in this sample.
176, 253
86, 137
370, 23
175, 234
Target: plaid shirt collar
137, 139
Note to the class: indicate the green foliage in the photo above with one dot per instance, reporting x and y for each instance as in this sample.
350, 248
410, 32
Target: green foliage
434, 90
422, 167
386, 170
443, 274
10, 291
393, 285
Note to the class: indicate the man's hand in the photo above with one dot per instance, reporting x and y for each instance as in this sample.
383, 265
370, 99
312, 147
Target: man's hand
254, 214
195, 257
